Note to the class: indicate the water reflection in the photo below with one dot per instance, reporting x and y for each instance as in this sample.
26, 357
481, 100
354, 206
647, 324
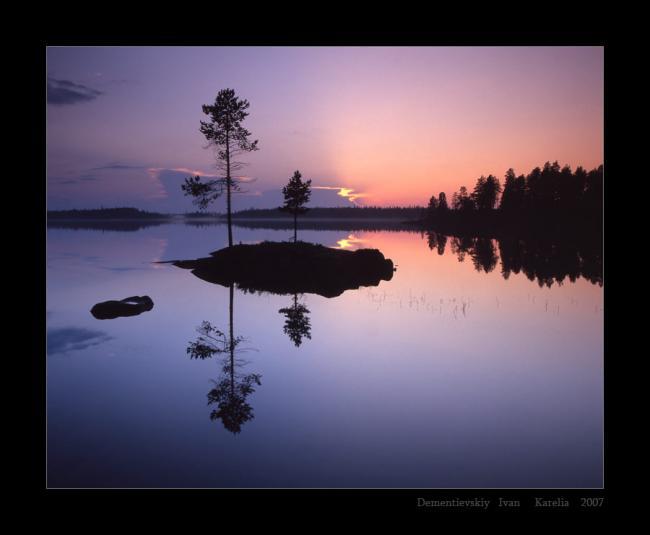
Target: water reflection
105, 225
73, 339
350, 243
296, 325
545, 260
495, 407
231, 390
437, 241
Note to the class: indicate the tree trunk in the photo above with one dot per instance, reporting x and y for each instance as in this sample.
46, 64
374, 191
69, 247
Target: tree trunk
229, 216
228, 179
232, 342
295, 227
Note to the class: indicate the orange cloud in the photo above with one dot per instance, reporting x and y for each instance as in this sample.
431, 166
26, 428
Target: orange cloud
347, 193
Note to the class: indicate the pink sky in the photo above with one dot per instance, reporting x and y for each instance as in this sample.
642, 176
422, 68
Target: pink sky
392, 124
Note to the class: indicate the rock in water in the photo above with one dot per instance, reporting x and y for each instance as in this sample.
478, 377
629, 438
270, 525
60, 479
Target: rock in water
288, 268
131, 306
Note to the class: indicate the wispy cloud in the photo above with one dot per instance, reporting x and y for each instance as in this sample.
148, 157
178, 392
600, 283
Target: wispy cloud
68, 180
117, 166
65, 92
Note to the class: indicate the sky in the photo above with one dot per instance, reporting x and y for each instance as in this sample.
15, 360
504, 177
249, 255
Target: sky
376, 126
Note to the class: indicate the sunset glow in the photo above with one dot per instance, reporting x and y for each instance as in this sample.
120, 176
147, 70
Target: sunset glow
375, 125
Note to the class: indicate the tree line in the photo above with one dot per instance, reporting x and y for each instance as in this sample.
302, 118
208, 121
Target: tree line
545, 195
400, 213
105, 213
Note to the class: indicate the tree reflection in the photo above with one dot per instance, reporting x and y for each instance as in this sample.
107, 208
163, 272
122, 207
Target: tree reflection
484, 256
460, 246
296, 324
481, 251
546, 260
437, 241
231, 391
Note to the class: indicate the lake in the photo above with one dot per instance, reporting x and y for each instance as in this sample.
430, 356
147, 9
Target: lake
449, 375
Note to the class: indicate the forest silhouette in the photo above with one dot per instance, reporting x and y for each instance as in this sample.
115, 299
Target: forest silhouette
547, 224
548, 200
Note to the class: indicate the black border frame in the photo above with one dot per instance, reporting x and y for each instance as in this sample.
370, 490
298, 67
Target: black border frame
364, 501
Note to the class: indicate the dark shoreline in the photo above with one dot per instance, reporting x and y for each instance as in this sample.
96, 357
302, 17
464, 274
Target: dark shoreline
491, 225
281, 223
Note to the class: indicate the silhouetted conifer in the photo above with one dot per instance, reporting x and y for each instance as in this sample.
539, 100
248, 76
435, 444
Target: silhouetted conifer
229, 138
296, 196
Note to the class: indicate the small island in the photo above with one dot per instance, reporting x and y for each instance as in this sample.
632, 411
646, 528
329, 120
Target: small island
292, 267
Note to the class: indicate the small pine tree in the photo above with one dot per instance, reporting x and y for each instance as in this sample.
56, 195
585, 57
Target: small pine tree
296, 195
442, 202
432, 208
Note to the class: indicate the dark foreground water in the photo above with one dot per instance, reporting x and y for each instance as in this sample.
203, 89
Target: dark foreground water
448, 375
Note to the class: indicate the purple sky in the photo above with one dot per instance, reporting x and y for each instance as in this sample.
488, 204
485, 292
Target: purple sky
393, 125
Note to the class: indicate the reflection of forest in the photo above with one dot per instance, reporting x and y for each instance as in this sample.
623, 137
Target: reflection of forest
544, 260
102, 225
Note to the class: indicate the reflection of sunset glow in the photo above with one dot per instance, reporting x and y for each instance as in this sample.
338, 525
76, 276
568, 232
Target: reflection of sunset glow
161, 243
350, 243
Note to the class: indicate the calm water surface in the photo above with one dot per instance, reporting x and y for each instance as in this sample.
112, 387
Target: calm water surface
444, 376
